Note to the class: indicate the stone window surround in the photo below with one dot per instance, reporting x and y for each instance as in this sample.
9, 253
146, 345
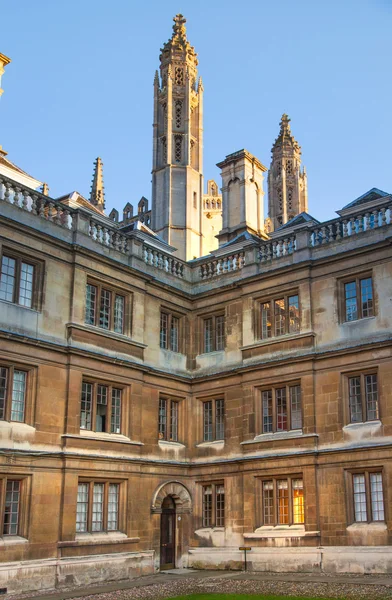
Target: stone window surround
274, 530
122, 509
38, 277
125, 428
181, 327
201, 324
102, 284
262, 299
24, 507
260, 435
341, 281
214, 484
30, 391
348, 473
361, 372
168, 399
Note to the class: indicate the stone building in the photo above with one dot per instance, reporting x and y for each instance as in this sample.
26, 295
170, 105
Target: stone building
160, 412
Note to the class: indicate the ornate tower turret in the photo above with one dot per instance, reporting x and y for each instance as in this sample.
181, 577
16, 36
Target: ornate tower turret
287, 182
4, 61
97, 194
177, 180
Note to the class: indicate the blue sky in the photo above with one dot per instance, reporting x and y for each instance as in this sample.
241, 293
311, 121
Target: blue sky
80, 85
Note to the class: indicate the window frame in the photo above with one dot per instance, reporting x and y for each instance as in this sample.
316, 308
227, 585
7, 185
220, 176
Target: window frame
19, 257
357, 278
93, 413
275, 479
214, 420
215, 346
351, 500
121, 505
361, 374
217, 521
114, 292
29, 395
272, 300
168, 344
23, 505
167, 435
273, 388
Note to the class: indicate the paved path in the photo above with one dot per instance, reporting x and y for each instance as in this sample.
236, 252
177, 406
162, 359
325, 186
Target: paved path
175, 582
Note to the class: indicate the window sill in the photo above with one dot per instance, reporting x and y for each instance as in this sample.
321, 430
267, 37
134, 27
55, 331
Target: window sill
218, 352
279, 435
17, 425
32, 310
210, 530
214, 444
165, 444
358, 320
99, 539
108, 333
116, 438
363, 425
280, 531
277, 339
11, 540
375, 526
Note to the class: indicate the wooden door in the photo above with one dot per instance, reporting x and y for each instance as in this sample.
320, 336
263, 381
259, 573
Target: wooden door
168, 530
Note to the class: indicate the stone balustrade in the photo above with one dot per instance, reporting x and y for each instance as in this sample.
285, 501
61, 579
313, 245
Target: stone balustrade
223, 265
35, 202
108, 236
277, 248
353, 225
162, 261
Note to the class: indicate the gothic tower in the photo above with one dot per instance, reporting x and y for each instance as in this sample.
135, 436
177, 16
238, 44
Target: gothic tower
177, 179
287, 182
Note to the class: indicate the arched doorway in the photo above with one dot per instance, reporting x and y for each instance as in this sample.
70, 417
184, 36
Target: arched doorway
168, 534
172, 505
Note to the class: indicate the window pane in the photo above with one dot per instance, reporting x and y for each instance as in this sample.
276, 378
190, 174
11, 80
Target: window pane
371, 393
283, 502
219, 419
11, 509
91, 304
268, 503
350, 292
174, 330
7, 279
26, 285
104, 313
220, 332
102, 408
281, 409
115, 421
296, 412
97, 517
293, 314
174, 421
162, 419
366, 297
86, 405
298, 501
207, 506
207, 408
377, 497
208, 347
354, 384
220, 505
360, 512
266, 324
163, 330
82, 507
3, 390
280, 317
267, 411
113, 497
18, 396
119, 303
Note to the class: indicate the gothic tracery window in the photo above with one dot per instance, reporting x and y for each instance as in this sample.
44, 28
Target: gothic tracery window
289, 167
164, 149
280, 197
179, 76
178, 113
290, 199
177, 148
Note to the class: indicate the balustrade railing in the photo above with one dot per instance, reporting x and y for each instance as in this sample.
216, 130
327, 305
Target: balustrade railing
108, 236
220, 266
160, 260
34, 202
338, 229
277, 248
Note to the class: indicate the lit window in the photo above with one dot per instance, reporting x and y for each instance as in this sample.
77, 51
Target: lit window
358, 299
283, 501
100, 408
281, 408
279, 316
213, 505
97, 507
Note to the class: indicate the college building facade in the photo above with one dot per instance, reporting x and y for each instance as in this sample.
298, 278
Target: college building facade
194, 378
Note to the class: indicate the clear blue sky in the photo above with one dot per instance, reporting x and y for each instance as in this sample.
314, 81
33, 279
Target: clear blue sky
80, 85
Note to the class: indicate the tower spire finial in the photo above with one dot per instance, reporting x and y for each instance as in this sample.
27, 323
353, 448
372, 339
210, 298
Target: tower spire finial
179, 28
97, 195
285, 123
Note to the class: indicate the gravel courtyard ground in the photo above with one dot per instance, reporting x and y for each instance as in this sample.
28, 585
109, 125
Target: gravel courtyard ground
171, 585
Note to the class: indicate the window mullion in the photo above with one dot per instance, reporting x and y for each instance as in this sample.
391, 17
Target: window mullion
368, 497
17, 280
363, 398
8, 399
275, 496
105, 506
3, 487
286, 314
213, 333
213, 524
274, 417
90, 506
288, 406
358, 289
109, 409
290, 490
97, 305
94, 407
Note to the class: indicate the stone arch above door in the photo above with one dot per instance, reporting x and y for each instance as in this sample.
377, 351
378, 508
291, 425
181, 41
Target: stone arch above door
178, 492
